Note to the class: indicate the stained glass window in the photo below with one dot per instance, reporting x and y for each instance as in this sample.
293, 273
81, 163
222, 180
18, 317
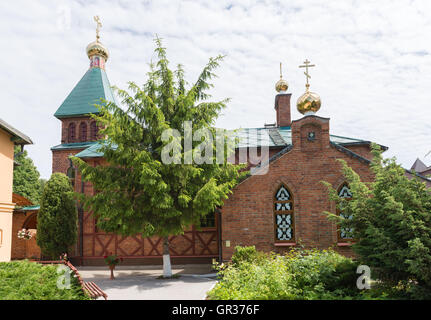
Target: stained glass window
283, 215
345, 233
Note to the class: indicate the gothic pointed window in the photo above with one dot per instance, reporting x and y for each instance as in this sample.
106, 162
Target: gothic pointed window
343, 232
93, 131
83, 132
71, 134
283, 215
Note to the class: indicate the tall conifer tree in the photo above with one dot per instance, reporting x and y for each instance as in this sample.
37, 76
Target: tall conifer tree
136, 191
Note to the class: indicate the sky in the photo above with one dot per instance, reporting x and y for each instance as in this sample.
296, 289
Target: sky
373, 61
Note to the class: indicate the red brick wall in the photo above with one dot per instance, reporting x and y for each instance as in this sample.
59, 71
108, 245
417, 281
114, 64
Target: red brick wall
282, 108
18, 245
22, 249
77, 120
248, 216
60, 159
363, 150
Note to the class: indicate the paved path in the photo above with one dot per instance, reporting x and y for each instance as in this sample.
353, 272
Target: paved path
141, 283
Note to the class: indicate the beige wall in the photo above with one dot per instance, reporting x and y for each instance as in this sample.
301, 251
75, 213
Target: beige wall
6, 205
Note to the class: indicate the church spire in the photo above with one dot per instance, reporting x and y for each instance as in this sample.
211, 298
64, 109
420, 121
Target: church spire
96, 51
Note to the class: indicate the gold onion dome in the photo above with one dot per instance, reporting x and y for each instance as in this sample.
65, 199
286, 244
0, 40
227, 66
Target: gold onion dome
281, 85
97, 48
308, 102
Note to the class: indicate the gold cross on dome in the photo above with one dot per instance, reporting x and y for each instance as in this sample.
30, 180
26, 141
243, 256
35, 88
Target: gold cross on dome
99, 24
280, 72
307, 65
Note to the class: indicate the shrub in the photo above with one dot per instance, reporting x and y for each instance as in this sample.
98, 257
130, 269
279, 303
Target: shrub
23, 280
391, 224
300, 274
246, 254
57, 219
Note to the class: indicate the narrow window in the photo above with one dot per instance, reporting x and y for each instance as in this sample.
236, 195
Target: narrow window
344, 233
93, 131
208, 221
71, 132
83, 132
283, 215
71, 175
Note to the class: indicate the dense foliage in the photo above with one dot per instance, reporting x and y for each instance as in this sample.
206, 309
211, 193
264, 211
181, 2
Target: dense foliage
137, 191
299, 275
26, 180
391, 225
57, 219
23, 280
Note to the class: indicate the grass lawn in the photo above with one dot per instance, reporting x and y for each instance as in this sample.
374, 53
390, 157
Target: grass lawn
24, 280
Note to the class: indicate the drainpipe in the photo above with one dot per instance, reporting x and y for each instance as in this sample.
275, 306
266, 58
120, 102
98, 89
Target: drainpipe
219, 235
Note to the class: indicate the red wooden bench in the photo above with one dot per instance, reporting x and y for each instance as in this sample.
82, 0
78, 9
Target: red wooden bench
90, 288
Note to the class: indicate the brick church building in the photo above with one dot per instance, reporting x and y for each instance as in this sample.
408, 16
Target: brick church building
274, 211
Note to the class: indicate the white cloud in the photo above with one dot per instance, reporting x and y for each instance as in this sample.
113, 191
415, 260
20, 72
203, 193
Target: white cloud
373, 61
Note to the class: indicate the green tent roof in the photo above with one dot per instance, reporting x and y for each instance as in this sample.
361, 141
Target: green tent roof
93, 86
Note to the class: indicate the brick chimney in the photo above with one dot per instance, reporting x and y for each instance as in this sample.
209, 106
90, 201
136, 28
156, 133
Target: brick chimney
282, 107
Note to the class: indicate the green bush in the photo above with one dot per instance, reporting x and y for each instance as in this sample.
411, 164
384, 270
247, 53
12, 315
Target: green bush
57, 220
246, 254
299, 275
24, 280
391, 224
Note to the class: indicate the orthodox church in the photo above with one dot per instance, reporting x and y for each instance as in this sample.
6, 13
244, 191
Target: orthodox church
275, 211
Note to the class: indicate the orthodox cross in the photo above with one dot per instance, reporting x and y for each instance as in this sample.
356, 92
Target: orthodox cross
99, 24
280, 71
307, 65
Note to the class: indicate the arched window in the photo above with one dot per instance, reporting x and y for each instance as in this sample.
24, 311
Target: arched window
93, 131
83, 132
71, 132
283, 215
344, 233
71, 174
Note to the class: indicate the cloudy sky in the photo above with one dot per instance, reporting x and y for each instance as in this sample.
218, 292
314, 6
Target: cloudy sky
373, 61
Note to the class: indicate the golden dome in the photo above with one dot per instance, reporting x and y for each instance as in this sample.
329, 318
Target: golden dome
308, 102
281, 85
97, 48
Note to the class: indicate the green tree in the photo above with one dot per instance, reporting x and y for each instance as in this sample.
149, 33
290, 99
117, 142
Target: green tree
391, 224
57, 219
138, 192
26, 177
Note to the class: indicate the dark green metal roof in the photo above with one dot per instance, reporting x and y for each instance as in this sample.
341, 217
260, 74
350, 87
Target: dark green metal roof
90, 152
76, 145
93, 86
278, 137
29, 208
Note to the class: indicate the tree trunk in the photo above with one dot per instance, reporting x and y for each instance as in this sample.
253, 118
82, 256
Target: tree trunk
112, 267
167, 270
